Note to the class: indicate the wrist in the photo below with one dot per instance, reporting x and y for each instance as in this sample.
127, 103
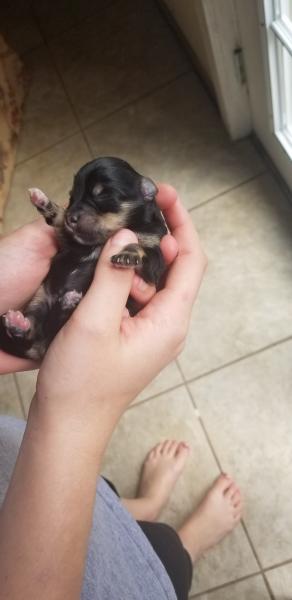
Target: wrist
84, 429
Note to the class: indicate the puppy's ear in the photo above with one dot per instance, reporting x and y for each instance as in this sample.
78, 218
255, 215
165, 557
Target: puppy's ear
148, 188
97, 189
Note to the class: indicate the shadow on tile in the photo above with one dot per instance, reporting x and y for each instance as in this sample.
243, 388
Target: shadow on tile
103, 71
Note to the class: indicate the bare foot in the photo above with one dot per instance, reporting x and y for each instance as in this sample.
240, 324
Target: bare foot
217, 515
161, 469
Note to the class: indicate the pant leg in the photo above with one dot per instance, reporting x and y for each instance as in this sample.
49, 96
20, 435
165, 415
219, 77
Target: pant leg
169, 549
176, 560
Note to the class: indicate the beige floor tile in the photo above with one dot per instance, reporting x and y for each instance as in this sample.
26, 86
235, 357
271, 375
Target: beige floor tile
168, 416
9, 400
68, 14
280, 580
52, 171
247, 412
250, 589
168, 378
245, 300
26, 384
176, 135
47, 117
102, 71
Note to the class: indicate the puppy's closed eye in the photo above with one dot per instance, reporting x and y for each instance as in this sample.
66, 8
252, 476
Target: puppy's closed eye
97, 189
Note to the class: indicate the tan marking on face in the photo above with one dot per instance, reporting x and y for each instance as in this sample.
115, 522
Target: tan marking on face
112, 221
148, 240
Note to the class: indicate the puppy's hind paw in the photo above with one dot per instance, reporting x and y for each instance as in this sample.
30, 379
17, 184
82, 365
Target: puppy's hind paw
130, 256
38, 198
16, 324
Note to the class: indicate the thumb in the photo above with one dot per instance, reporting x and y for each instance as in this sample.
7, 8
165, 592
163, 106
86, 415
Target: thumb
106, 298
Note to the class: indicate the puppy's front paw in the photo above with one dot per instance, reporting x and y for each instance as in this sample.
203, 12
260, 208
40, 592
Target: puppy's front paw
131, 256
16, 324
39, 199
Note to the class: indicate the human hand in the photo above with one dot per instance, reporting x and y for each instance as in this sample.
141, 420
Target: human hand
25, 258
102, 358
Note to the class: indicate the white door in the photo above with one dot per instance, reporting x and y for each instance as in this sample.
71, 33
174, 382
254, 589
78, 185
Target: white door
266, 32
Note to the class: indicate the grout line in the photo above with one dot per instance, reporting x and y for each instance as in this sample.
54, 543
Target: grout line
158, 88
269, 589
258, 560
19, 396
225, 585
237, 360
213, 452
186, 382
278, 565
217, 460
59, 74
171, 389
272, 167
76, 25
235, 187
67, 137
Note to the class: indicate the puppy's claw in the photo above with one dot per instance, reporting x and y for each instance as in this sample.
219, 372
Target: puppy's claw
16, 324
127, 259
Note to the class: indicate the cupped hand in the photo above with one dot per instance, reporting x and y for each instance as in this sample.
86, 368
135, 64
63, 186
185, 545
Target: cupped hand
25, 258
103, 357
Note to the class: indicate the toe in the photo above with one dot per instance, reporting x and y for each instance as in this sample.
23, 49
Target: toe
181, 448
172, 448
230, 491
223, 483
165, 447
236, 497
237, 516
154, 452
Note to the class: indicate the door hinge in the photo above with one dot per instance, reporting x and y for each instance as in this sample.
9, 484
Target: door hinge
239, 64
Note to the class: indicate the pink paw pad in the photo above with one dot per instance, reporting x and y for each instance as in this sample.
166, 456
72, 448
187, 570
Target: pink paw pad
38, 198
71, 299
16, 323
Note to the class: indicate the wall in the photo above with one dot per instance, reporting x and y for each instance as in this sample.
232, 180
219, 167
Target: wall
190, 19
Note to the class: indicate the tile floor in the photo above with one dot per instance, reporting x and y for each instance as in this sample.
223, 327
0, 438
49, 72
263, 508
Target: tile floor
111, 78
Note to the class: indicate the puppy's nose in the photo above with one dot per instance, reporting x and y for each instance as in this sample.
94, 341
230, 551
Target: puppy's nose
73, 218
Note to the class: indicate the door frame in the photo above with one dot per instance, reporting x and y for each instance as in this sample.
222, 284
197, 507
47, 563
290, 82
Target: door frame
254, 41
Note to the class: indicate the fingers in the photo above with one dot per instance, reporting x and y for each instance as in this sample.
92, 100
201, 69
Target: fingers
169, 248
102, 307
186, 272
13, 364
141, 291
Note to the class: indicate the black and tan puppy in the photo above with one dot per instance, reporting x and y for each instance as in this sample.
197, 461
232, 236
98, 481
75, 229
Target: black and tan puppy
107, 195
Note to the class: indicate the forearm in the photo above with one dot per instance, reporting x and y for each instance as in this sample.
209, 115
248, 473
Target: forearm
46, 516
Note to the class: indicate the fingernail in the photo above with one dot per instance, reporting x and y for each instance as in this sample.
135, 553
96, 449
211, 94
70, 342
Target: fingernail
140, 284
123, 237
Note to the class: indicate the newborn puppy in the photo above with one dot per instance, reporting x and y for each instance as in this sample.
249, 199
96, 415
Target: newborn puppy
107, 195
